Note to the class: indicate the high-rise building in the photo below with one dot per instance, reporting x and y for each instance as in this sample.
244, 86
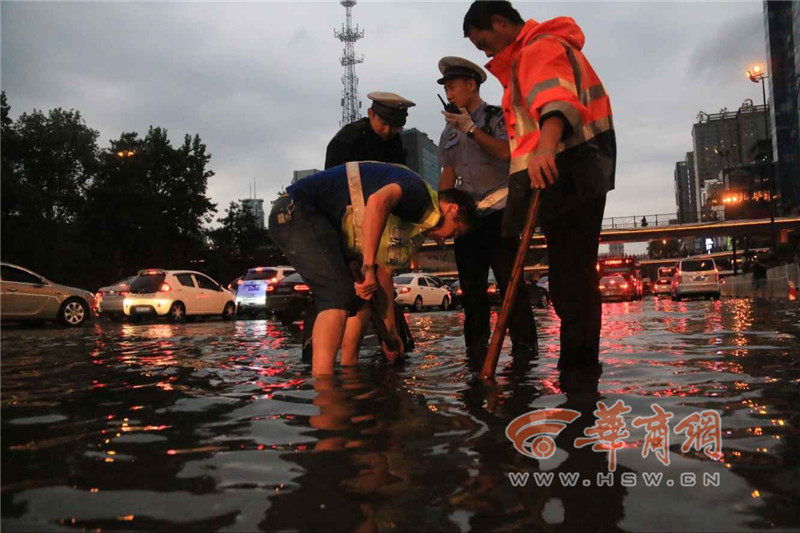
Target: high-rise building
724, 140
782, 31
256, 207
300, 174
422, 155
685, 197
616, 249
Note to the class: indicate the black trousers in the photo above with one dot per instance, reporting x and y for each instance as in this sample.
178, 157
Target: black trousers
572, 242
480, 249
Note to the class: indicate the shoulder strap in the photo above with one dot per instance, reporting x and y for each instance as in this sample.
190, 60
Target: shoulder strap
356, 199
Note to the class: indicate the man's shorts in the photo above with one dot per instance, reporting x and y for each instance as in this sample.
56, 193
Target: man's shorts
313, 245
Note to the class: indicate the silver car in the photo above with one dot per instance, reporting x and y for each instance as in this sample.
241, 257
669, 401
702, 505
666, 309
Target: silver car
25, 295
111, 298
696, 276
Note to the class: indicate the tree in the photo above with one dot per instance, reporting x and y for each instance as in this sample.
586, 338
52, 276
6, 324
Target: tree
664, 248
148, 205
48, 160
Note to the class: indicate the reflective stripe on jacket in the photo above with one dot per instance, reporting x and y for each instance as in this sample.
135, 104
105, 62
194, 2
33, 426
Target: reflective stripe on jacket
400, 237
543, 73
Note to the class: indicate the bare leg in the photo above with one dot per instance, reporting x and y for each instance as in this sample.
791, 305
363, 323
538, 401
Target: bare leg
353, 334
326, 339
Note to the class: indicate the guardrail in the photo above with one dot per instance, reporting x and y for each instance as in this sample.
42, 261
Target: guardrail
656, 220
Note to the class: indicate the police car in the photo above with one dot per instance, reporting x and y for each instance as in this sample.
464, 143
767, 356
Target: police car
251, 290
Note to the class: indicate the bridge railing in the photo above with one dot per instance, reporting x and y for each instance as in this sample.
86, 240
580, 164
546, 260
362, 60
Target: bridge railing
660, 219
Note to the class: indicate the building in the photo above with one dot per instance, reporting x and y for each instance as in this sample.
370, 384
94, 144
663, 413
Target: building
782, 28
422, 155
300, 174
685, 197
616, 249
256, 207
725, 140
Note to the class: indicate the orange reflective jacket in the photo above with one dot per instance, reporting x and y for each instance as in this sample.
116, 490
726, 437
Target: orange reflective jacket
543, 73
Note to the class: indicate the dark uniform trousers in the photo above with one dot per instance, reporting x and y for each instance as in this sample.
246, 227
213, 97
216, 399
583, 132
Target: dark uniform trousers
572, 243
475, 253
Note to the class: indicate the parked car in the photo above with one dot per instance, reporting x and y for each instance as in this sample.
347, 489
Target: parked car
616, 288
696, 276
251, 290
537, 293
25, 295
110, 299
289, 298
419, 290
177, 294
662, 287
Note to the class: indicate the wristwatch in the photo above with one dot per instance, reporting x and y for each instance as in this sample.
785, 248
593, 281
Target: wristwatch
471, 132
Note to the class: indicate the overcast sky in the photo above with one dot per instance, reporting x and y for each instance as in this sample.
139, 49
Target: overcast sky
261, 82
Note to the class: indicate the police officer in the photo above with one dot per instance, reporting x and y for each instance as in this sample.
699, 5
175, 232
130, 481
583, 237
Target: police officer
474, 154
375, 137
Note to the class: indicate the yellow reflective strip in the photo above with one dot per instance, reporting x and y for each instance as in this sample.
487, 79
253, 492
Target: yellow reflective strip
569, 111
593, 93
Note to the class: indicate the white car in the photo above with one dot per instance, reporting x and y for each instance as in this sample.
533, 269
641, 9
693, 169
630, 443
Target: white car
110, 299
421, 290
177, 294
696, 276
251, 290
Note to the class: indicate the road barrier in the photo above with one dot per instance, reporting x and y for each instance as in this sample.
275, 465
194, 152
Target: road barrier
782, 283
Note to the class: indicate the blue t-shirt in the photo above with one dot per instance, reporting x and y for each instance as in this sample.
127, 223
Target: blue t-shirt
327, 191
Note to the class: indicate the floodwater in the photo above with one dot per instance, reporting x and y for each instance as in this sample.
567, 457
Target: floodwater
218, 426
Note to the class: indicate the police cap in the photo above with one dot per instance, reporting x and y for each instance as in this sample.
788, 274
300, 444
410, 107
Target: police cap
453, 67
391, 107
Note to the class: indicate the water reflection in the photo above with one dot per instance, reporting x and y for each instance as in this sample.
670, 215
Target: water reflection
216, 425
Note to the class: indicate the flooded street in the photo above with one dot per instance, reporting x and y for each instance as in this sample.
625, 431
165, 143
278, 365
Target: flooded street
219, 426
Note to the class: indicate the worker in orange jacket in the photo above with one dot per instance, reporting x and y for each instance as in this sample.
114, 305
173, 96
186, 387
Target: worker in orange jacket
562, 141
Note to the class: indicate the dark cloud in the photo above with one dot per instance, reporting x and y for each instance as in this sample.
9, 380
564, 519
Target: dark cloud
261, 82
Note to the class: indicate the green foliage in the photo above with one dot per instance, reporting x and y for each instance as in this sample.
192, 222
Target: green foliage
87, 216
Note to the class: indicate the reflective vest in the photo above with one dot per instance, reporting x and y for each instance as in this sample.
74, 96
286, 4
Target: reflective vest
400, 238
544, 72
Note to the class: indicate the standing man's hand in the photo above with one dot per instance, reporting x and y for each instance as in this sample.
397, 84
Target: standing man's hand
462, 120
369, 285
542, 168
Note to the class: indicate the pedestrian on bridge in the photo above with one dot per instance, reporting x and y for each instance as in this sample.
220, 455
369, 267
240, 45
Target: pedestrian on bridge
562, 141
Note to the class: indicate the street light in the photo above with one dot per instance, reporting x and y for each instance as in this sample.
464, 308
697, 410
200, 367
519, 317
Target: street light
756, 76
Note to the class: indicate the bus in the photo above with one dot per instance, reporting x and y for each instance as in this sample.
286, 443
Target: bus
666, 272
628, 268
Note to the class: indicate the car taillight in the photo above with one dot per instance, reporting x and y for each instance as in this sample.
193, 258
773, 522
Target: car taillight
122, 293
459, 291
624, 286
165, 287
99, 295
239, 282
270, 288
602, 287
491, 290
404, 290
274, 280
302, 287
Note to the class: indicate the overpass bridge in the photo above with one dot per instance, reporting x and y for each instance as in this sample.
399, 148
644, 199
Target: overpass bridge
629, 229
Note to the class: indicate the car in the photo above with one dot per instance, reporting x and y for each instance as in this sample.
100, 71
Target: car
420, 290
26, 295
616, 288
662, 287
110, 298
251, 290
456, 294
696, 276
177, 294
538, 293
289, 298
